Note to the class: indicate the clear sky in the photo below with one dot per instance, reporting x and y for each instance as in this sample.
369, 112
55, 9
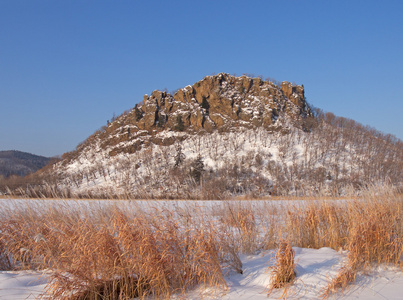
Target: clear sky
67, 66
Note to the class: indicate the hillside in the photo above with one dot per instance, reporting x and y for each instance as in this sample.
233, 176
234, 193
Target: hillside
20, 163
225, 137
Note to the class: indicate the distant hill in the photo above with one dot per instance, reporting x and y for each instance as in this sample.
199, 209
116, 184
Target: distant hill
20, 163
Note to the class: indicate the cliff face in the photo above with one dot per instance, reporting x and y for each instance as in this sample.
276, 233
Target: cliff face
219, 102
223, 100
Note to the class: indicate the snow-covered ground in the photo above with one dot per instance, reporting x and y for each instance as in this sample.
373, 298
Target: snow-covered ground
21, 285
314, 270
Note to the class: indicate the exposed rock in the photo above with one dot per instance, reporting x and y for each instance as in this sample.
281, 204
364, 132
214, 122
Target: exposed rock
216, 102
286, 87
294, 93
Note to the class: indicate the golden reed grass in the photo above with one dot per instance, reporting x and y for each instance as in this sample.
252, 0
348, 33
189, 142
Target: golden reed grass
112, 252
374, 236
119, 257
283, 271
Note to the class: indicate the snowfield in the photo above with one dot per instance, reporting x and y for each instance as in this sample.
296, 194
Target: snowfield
22, 285
314, 267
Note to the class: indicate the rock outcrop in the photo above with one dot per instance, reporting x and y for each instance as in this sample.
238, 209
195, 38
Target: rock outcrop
219, 102
223, 100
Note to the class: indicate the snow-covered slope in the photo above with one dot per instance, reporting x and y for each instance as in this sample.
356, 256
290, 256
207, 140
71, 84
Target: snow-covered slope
250, 137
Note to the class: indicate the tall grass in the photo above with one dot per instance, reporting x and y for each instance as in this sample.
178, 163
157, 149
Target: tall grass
126, 251
283, 270
374, 236
117, 255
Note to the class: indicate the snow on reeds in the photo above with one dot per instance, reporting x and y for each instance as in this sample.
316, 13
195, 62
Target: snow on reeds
129, 250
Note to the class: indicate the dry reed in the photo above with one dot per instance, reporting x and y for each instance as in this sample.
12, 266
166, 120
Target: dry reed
116, 257
99, 252
374, 236
283, 271
241, 218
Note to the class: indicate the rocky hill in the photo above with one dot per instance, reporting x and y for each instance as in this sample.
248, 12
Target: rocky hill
222, 102
224, 137
20, 163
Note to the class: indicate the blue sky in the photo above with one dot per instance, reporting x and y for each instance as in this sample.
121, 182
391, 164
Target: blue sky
67, 66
